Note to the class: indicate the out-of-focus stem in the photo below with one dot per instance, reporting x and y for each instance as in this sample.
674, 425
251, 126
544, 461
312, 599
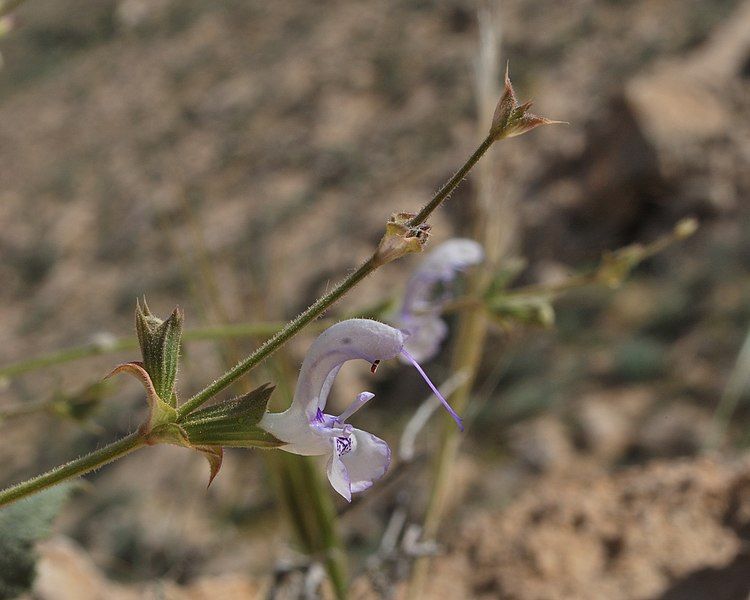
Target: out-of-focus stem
311, 513
472, 325
7, 6
24, 408
198, 334
738, 382
130, 343
552, 289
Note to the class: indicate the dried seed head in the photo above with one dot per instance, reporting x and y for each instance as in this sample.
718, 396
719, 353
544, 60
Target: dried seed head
510, 118
400, 238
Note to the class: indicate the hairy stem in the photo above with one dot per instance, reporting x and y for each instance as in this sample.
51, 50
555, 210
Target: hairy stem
284, 335
292, 328
324, 302
452, 183
74, 468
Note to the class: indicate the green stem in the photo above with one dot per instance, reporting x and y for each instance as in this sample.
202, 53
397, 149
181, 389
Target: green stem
324, 302
7, 6
553, 289
24, 408
272, 344
738, 382
128, 444
74, 468
486, 216
79, 352
452, 183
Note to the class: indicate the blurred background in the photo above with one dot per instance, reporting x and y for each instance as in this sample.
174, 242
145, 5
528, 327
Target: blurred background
236, 158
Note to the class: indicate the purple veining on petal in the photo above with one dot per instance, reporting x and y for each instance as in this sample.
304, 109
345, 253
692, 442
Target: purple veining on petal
343, 445
434, 389
356, 457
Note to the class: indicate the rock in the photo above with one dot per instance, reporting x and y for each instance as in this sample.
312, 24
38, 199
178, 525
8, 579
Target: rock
678, 429
607, 421
543, 443
682, 101
674, 108
635, 535
66, 572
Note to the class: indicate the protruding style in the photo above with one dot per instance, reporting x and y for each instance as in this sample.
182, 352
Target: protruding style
356, 458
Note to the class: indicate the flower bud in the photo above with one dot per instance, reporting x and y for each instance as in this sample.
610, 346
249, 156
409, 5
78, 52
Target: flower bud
160, 347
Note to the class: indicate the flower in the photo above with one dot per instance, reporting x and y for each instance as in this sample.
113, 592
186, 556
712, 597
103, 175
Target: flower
428, 290
356, 458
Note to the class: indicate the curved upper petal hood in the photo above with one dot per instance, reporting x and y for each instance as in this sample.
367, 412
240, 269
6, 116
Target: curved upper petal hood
356, 457
348, 340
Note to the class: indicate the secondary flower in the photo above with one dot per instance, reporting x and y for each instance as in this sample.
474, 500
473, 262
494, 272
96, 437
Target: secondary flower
428, 290
356, 458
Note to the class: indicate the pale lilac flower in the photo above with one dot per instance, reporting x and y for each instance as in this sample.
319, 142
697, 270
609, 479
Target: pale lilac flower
356, 458
428, 290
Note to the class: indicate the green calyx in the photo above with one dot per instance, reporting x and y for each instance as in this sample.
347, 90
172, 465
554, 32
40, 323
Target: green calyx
528, 311
160, 347
233, 423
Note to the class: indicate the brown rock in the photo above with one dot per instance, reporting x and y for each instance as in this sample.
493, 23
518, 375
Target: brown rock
635, 535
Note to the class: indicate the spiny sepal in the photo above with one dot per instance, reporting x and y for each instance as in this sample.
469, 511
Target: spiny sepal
160, 347
233, 423
159, 412
511, 118
215, 456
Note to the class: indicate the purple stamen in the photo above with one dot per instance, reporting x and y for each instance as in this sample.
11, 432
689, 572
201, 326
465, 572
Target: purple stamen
447, 406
